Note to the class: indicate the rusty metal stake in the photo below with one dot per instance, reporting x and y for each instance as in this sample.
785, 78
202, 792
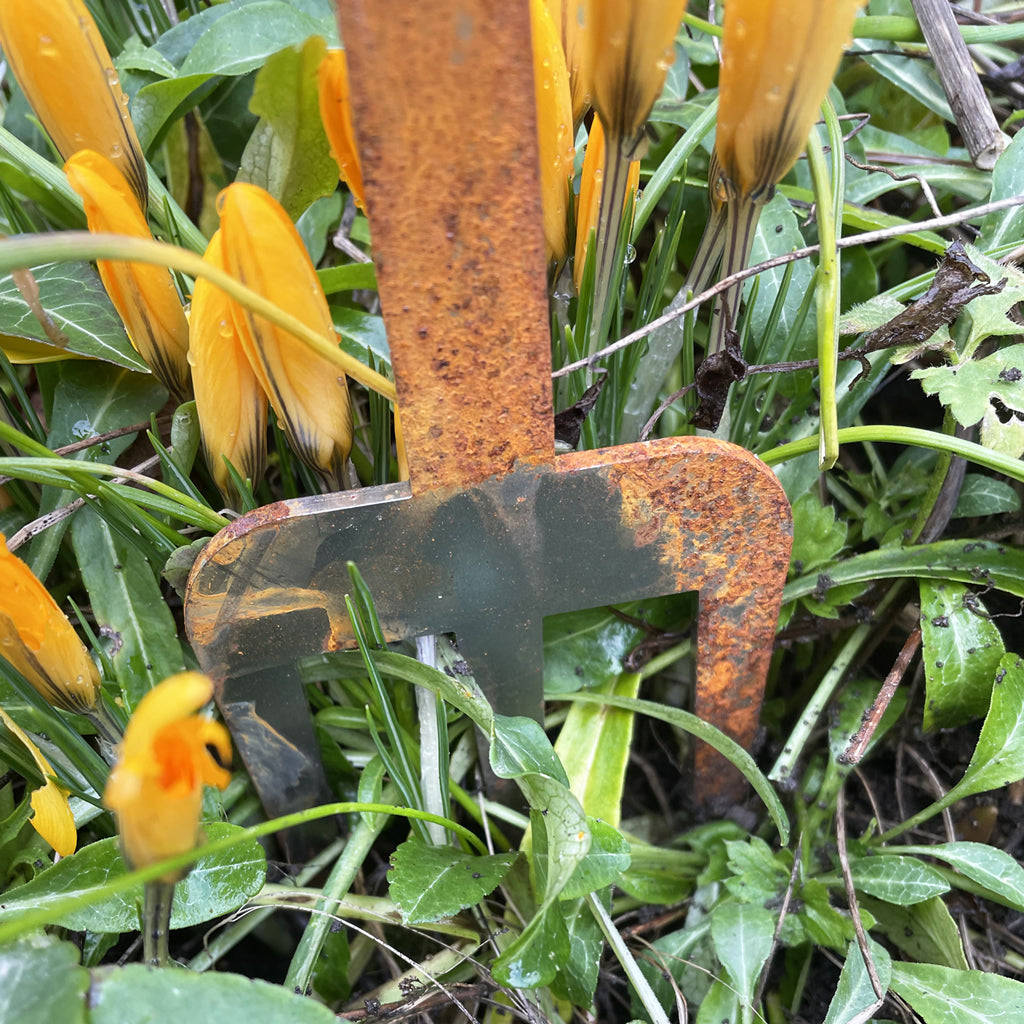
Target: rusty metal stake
492, 532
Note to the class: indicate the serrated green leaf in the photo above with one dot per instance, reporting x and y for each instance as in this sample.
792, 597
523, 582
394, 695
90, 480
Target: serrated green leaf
818, 537
985, 496
1001, 874
73, 297
989, 313
130, 995
897, 879
41, 982
288, 154
218, 884
757, 874
855, 996
743, 936
519, 746
127, 601
428, 883
961, 650
941, 995
998, 758
605, 861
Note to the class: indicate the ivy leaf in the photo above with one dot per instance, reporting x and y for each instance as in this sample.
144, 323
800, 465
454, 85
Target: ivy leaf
428, 883
961, 652
941, 994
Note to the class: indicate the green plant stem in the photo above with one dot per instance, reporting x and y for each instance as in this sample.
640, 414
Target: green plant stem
60, 246
156, 923
938, 479
629, 965
363, 836
914, 436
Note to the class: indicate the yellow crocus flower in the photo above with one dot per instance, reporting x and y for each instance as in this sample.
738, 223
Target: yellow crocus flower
156, 787
64, 68
51, 813
336, 113
230, 402
143, 295
37, 639
569, 18
554, 127
309, 395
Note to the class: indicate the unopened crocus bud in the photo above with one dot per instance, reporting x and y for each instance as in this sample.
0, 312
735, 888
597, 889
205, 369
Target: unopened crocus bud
569, 17
37, 639
143, 295
336, 113
309, 395
64, 68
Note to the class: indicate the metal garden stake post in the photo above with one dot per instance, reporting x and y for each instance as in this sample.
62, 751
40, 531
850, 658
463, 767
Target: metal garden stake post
492, 532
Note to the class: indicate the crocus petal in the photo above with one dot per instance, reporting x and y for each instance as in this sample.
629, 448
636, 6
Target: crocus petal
336, 114
63, 67
308, 394
37, 639
630, 45
554, 127
590, 194
231, 404
156, 787
51, 817
778, 60
143, 295
569, 17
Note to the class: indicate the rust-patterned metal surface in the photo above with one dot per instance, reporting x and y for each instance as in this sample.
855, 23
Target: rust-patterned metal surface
492, 532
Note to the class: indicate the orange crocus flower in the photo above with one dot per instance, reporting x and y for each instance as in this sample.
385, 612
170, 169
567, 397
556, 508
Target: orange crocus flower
336, 113
37, 639
143, 295
51, 813
308, 394
62, 65
230, 402
156, 787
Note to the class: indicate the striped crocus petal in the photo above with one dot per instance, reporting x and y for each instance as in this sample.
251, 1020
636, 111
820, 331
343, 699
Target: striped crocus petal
778, 60
336, 114
143, 295
51, 813
569, 17
230, 402
630, 45
554, 127
590, 194
308, 394
63, 67
37, 639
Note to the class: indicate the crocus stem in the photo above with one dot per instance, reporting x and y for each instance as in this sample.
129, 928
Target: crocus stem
741, 217
608, 270
156, 923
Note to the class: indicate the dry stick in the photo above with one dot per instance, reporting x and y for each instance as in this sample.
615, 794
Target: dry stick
868, 237
859, 743
960, 81
851, 899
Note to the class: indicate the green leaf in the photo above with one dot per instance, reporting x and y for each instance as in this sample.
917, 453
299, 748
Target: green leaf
73, 296
998, 758
564, 838
941, 995
127, 601
519, 746
817, 536
41, 982
983, 495
288, 154
743, 935
605, 861
990, 313
534, 958
897, 879
428, 883
855, 996
577, 979
961, 650
925, 931
1001, 226
719, 1005
758, 875
218, 884
130, 995
917, 78
243, 38
994, 869
157, 105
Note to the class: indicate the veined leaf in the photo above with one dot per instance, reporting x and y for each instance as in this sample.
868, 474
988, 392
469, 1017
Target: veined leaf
940, 995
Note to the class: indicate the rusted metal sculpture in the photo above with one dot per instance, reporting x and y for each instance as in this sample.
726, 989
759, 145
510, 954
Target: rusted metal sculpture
492, 532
